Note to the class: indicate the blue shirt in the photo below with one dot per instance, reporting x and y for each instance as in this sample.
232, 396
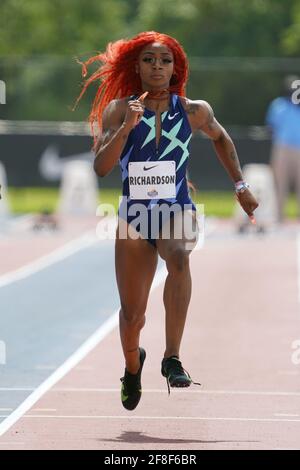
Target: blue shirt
284, 118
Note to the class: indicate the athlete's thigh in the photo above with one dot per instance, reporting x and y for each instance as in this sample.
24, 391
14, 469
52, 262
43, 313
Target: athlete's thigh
184, 234
135, 263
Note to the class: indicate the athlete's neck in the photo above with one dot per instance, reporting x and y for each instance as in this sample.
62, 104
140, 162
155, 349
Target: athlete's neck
160, 95
158, 100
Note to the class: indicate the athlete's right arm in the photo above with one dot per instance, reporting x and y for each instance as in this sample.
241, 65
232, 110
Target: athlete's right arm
118, 119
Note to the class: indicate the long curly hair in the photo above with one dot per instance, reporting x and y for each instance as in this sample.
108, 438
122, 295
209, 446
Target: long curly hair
117, 74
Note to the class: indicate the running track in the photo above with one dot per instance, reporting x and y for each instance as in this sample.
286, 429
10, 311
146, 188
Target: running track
243, 318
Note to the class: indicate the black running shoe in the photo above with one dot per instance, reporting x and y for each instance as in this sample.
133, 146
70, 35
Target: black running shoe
176, 376
131, 390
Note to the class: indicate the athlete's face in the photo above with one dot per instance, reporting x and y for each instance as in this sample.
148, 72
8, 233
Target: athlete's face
155, 66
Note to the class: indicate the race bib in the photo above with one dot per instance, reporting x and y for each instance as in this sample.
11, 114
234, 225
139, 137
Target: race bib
152, 180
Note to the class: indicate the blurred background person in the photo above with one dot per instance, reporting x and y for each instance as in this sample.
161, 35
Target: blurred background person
283, 117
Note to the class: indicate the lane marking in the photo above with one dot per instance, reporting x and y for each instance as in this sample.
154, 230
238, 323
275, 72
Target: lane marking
183, 390
287, 415
68, 249
109, 325
163, 418
200, 392
45, 410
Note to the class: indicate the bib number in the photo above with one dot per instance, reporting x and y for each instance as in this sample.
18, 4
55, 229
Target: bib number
152, 180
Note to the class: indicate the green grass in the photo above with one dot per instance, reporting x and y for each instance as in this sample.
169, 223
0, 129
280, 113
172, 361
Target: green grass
216, 203
24, 200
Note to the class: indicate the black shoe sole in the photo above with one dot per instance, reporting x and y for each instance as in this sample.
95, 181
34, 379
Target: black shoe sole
180, 384
132, 402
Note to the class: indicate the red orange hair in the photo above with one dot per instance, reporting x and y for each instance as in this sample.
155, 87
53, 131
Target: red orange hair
117, 74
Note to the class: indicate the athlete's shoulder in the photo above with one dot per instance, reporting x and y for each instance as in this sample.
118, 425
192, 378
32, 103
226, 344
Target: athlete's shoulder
116, 105
198, 111
115, 111
195, 106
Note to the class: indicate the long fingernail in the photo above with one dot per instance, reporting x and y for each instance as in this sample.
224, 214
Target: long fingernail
143, 96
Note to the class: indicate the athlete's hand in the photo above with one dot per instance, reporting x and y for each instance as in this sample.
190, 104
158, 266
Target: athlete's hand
135, 111
248, 203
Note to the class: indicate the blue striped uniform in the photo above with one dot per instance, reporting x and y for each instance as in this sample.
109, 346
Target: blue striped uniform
174, 143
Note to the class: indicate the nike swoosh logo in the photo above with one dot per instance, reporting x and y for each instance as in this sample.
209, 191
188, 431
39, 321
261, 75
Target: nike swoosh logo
51, 165
123, 396
149, 168
172, 117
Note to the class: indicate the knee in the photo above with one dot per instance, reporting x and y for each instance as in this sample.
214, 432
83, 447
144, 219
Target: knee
178, 261
133, 317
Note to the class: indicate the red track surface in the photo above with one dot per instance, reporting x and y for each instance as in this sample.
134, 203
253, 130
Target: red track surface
22, 246
243, 317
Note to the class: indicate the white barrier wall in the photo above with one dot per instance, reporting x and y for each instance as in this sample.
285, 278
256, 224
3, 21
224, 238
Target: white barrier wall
262, 185
79, 189
4, 208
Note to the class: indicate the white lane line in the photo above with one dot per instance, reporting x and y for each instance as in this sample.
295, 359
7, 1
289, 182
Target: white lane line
110, 324
164, 418
286, 415
44, 410
6, 409
183, 390
68, 249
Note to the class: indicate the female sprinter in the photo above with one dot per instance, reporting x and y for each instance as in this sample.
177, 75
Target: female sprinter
146, 123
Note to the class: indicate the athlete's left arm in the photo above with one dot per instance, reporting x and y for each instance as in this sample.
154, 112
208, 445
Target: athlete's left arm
202, 118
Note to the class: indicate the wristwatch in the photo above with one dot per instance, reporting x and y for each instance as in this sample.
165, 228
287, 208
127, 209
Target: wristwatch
241, 186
